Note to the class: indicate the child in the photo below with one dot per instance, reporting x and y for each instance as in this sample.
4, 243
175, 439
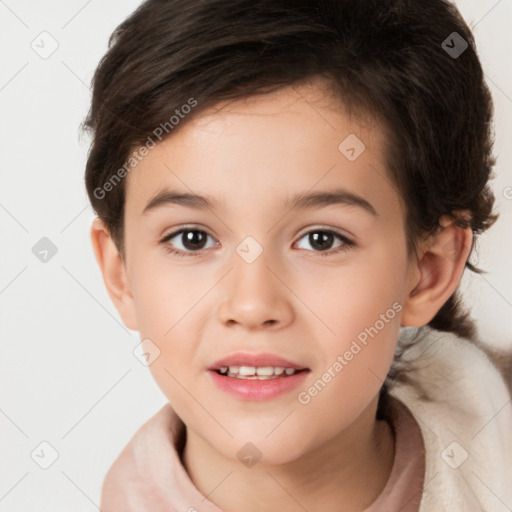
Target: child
331, 160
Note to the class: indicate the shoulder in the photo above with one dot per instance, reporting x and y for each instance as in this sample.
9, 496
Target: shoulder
441, 359
130, 483
466, 421
502, 360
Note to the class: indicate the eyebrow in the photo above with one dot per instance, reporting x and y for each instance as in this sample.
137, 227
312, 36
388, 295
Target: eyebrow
301, 201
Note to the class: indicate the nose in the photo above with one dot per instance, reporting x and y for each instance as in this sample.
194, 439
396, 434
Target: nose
255, 296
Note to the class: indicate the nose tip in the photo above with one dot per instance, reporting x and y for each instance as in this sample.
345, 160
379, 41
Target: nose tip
255, 298
250, 317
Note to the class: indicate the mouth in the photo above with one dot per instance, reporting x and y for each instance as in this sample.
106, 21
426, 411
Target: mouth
256, 377
256, 366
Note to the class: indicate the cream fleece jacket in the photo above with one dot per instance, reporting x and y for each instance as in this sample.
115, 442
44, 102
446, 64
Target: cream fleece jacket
467, 427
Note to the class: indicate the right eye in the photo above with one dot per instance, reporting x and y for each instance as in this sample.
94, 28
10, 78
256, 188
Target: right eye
192, 241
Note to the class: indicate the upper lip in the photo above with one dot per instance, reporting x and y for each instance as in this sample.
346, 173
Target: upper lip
256, 360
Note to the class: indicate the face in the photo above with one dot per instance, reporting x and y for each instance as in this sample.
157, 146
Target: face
258, 279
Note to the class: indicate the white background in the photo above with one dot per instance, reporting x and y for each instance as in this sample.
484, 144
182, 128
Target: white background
68, 373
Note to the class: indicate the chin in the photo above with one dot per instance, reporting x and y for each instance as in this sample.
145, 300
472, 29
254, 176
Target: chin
252, 446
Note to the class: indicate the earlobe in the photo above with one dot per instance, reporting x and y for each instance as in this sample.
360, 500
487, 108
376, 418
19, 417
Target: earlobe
114, 273
437, 273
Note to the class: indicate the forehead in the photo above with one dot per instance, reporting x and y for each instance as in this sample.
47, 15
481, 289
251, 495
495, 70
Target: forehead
267, 148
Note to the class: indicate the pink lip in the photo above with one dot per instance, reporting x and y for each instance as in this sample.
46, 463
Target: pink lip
245, 359
257, 390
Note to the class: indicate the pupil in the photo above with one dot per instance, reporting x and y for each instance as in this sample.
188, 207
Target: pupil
321, 239
193, 239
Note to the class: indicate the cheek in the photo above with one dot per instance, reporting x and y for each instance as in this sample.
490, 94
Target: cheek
165, 293
360, 307
166, 302
353, 296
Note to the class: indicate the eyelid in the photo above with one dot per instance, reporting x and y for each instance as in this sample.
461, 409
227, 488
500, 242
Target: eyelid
186, 227
338, 231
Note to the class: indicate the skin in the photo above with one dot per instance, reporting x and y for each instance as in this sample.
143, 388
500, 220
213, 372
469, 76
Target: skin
252, 155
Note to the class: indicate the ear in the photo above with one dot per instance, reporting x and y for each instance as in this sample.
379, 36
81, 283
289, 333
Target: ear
436, 273
114, 273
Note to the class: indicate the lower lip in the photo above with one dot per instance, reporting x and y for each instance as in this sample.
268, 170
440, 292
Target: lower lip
257, 390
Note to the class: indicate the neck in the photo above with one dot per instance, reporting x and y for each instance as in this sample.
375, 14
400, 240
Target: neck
351, 469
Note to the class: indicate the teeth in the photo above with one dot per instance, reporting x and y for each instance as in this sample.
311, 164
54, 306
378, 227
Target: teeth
255, 373
265, 370
246, 371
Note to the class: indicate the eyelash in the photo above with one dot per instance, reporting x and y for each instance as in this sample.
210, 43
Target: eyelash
347, 244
